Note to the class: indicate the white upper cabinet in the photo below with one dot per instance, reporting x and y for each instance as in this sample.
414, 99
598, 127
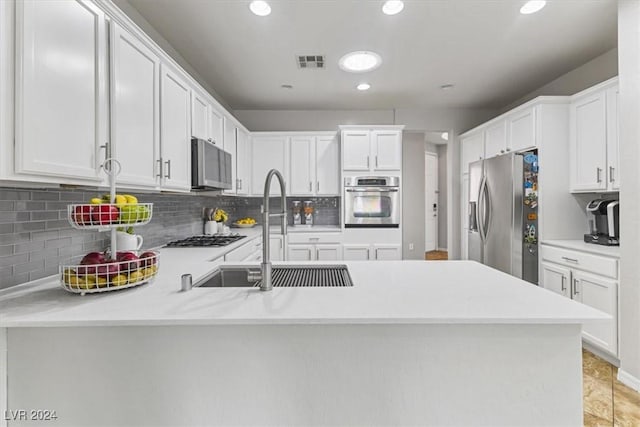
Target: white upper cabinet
356, 150
200, 116
613, 141
589, 142
522, 130
229, 145
372, 150
302, 158
472, 150
268, 152
216, 126
496, 139
314, 165
243, 162
175, 131
135, 124
387, 149
594, 144
61, 100
327, 161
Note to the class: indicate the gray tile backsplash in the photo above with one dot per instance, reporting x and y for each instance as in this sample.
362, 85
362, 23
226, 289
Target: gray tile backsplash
35, 237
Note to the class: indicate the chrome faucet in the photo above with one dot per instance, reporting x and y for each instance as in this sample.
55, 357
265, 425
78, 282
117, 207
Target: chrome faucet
266, 262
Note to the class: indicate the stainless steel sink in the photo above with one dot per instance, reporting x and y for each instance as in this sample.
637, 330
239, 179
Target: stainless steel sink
282, 276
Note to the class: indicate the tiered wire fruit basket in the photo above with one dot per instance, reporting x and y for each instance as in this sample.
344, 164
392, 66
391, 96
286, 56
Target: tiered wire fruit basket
110, 270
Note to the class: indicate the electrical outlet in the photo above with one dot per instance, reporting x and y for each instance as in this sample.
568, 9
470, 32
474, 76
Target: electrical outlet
410, 246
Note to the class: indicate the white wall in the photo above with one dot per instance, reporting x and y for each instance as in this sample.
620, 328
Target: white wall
629, 133
413, 195
443, 211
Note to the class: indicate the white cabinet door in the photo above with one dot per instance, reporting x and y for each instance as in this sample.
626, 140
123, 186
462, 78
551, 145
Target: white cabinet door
601, 294
276, 248
495, 139
269, 152
385, 252
556, 279
522, 130
613, 141
200, 116
472, 150
327, 166
135, 114
61, 99
465, 217
243, 170
355, 252
229, 145
356, 150
216, 126
387, 149
588, 146
302, 162
175, 130
328, 252
299, 252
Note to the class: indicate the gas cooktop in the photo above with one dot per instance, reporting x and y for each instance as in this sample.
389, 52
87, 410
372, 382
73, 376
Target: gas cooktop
202, 241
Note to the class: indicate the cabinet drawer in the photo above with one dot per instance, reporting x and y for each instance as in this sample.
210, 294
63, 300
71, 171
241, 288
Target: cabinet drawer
593, 263
313, 238
244, 251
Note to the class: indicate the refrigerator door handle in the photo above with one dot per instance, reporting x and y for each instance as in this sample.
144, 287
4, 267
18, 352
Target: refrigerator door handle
473, 216
489, 211
481, 211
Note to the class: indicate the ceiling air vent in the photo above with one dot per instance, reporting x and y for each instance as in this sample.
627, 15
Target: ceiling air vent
310, 61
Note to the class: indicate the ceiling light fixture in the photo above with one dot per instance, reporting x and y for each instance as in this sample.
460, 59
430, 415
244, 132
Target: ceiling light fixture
392, 7
445, 136
360, 61
260, 7
532, 6
363, 86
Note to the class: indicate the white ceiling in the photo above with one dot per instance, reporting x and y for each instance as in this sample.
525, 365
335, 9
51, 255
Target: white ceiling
491, 52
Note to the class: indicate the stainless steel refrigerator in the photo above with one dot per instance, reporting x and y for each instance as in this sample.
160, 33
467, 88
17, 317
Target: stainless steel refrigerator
503, 214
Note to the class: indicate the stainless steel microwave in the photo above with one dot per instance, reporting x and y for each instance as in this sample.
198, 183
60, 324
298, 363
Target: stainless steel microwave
210, 166
372, 202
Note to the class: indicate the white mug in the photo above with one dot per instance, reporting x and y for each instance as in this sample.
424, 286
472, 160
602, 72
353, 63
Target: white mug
128, 242
210, 228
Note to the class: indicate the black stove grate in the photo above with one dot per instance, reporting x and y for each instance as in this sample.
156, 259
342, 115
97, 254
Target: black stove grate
205, 241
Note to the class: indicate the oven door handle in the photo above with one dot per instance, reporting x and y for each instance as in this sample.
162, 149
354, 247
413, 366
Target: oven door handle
372, 190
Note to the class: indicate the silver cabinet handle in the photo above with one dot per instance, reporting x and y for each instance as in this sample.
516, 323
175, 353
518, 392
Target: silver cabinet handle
611, 170
569, 259
159, 167
376, 160
317, 186
575, 287
564, 286
598, 172
314, 239
168, 163
501, 151
310, 186
367, 162
317, 254
105, 147
508, 149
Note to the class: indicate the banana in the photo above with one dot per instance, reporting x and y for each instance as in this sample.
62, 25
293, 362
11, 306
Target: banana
132, 200
96, 201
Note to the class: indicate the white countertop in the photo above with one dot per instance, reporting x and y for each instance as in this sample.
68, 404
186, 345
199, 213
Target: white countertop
393, 292
580, 245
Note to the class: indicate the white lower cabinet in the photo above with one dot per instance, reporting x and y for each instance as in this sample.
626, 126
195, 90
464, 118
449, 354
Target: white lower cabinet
276, 248
587, 287
322, 252
300, 252
375, 252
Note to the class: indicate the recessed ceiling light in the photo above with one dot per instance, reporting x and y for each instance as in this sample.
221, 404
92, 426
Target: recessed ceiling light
363, 86
392, 7
447, 86
445, 136
360, 62
532, 6
260, 7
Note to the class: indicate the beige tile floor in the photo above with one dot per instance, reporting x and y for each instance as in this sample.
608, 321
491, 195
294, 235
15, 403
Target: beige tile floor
607, 402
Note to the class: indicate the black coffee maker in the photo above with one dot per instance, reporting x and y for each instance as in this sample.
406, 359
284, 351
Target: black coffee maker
605, 225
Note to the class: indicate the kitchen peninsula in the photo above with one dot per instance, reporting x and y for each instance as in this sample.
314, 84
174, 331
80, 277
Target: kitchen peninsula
437, 343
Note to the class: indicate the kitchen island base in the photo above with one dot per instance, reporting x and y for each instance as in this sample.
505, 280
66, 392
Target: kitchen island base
313, 374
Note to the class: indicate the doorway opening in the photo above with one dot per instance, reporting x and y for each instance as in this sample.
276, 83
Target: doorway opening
435, 195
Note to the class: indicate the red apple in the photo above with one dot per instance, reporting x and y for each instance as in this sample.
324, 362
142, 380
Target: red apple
105, 214
147, 259
82, 215
108, 270
89, 260
128, 261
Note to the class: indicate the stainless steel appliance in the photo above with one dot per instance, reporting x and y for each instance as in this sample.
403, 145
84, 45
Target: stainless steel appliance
210, 166
372, 202
503, 214
605, 227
